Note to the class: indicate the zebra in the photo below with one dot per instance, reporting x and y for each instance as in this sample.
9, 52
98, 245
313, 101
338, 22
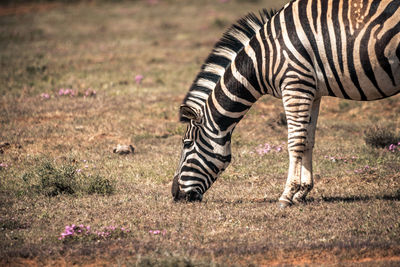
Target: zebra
308, 49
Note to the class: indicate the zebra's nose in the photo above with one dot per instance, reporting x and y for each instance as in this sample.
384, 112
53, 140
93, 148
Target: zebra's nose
185, 196
194, 196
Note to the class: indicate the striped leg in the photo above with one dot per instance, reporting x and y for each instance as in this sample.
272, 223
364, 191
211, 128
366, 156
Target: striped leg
299, 107
306, 179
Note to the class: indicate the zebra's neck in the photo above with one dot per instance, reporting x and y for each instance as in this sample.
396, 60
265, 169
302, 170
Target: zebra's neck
223, 57
237, 90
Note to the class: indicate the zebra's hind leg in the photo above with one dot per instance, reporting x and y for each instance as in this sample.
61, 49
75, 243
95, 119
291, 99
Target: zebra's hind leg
306, 178
299, 106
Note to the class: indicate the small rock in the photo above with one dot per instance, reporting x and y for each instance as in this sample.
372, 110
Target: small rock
123, 149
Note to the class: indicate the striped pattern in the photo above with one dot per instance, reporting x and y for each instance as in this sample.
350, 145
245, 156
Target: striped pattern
223, 55
309, 49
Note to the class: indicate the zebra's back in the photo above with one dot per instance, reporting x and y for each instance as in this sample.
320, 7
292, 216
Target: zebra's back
351, 48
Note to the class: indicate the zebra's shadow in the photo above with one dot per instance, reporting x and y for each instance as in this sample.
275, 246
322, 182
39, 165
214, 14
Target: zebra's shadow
349, 199
324, 199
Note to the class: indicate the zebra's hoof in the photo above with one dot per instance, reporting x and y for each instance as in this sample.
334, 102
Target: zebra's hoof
283, 204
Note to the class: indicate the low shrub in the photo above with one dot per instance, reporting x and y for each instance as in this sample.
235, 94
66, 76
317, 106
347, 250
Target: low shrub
51, 180
380, 137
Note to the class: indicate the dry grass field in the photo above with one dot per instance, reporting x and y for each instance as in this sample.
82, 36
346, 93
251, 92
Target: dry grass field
78, 79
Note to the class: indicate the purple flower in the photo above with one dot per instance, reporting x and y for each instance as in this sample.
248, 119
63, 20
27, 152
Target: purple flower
67, 91
139, 78
44, 95
267, 148
157, 232
82, 231
90, 92
3, 165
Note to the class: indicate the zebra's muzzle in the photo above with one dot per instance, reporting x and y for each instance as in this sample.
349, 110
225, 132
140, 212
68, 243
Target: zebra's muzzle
180, 195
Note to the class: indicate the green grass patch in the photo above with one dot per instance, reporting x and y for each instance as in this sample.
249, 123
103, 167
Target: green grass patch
51, 180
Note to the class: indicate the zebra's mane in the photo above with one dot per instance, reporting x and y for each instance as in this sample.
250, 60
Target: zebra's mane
222, 55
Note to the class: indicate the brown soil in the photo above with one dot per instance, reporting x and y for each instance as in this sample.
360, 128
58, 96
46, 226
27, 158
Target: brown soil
272, 258
25, 8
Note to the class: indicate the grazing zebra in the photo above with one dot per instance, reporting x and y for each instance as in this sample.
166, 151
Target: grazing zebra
309, 49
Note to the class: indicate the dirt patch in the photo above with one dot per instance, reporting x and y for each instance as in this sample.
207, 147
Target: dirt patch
271, 258
324, 257
20, 9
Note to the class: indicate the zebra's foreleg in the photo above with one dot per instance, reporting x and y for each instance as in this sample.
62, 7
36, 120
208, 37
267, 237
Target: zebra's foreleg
306, 177
298, 106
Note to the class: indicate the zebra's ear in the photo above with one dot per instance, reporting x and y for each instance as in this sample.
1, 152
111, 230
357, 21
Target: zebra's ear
188, 113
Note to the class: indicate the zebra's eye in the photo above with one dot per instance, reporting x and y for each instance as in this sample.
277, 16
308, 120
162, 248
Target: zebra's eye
187, 143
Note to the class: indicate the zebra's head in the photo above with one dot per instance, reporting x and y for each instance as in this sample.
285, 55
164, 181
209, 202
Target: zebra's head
205, 154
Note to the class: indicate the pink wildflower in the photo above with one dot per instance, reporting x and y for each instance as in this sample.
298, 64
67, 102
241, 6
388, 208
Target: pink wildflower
267, 148
394, 147
139, 78
3, 165
157, 232
90, 92
44, 96
66, 92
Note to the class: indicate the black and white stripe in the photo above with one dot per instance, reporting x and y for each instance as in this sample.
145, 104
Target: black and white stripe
309, 49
